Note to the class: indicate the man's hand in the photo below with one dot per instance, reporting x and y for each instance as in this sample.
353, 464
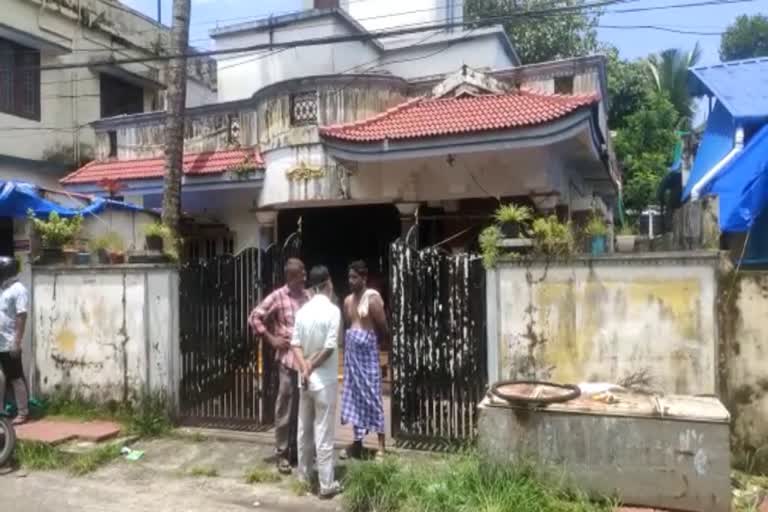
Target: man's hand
279, 342
16, 351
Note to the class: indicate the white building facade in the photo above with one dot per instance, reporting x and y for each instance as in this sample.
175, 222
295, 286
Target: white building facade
447, 127
45, 112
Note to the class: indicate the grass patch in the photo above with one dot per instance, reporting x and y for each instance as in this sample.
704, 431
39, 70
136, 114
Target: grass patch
39, 456
299, 488
203, 471
456, 484
748, 491
261, 475
146, 417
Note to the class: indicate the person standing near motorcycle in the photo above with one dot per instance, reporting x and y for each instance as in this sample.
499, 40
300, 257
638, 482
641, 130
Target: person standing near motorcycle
13, 320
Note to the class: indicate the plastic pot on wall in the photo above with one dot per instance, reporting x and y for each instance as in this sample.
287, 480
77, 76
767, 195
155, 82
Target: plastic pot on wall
597, 245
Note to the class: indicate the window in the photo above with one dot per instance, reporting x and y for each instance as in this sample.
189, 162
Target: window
19, 80
304, 108
112, 143
564, 85
119, 97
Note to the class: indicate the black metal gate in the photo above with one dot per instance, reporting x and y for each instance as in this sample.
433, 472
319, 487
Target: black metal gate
224, 368
439, 343
228, 376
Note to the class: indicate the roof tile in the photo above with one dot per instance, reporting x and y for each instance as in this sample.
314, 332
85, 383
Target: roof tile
422, 117
211, 162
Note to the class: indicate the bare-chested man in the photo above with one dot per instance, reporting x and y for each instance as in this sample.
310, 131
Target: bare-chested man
366, 322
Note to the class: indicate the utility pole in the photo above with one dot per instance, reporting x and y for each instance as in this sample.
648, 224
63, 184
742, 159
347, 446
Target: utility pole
174, 120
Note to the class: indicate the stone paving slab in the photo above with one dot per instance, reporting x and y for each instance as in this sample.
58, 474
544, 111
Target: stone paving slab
52, 431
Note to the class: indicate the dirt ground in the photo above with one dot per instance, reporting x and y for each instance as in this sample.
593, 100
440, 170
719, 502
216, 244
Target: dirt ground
163, 481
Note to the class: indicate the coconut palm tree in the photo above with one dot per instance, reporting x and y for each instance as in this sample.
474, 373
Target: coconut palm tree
669, 71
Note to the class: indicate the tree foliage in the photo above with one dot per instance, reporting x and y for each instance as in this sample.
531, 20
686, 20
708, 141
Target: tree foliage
746, 38
645, 146
628, 87
669, 72
539, 38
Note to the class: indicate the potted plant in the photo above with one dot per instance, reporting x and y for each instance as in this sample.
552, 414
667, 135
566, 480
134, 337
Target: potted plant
107, 245
511, 219
625, 239
155, 235
552, 237
597, 233
489, 245
55, 232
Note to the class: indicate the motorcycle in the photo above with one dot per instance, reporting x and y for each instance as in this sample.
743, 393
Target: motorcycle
7, 438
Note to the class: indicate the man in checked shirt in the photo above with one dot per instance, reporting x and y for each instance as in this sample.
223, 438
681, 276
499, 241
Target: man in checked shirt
273, 319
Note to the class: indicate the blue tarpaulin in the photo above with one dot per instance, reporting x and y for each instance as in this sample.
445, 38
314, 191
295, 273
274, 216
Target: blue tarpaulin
742, 185
716, 143
18, 198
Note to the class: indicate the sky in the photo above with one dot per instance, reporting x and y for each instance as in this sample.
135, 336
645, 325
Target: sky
631, 42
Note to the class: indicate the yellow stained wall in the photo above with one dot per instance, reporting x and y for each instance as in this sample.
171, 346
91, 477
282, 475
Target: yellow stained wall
573, 324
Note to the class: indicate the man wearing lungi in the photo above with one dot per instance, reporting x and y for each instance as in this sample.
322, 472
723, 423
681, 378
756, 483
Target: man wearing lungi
366, 321
278, 311
315, 345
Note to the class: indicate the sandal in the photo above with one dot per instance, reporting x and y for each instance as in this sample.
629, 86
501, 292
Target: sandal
19, 420
329, 493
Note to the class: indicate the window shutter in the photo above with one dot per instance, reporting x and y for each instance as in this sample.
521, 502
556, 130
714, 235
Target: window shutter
6, 76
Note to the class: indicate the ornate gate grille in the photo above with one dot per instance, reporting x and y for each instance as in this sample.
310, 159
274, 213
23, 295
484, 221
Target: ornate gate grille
439, 343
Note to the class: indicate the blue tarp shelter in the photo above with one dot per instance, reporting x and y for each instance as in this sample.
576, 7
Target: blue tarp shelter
18, 198
741, 92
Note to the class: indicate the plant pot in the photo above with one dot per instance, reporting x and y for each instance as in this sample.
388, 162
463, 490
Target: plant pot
597, 245
52, 256
82, 258
625, 243
102, 256
154, 243
69, 257
116, 258
510, 230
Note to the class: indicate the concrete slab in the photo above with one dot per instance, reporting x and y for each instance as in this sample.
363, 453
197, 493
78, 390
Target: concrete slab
53, 431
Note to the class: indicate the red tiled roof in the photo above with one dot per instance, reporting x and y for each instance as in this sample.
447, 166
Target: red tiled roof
212, 162
422, 117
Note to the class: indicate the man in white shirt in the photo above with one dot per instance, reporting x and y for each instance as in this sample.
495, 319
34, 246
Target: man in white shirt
315, 345
13, 320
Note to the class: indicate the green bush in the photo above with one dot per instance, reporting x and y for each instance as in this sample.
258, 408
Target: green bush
56, 231
552, 237
489, 245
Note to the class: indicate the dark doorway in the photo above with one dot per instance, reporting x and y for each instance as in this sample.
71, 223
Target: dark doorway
337, 236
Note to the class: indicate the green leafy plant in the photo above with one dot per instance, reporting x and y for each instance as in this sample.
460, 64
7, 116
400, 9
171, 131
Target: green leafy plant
110, 242
56, 231
158, 229
510, 213
596, 226
552, 237
489, 245
627, 230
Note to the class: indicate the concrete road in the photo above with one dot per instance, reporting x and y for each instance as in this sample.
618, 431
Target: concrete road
161, 483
